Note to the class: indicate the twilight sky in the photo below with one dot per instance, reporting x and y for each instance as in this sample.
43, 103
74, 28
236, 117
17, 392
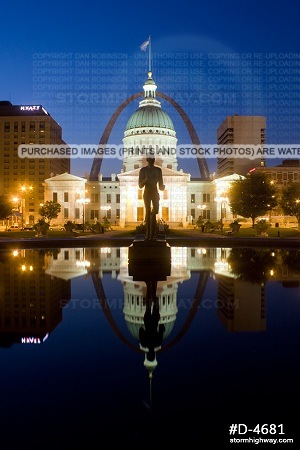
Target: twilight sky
80, 60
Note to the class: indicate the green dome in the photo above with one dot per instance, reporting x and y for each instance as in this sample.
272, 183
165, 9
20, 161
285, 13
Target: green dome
149, 116
135, 327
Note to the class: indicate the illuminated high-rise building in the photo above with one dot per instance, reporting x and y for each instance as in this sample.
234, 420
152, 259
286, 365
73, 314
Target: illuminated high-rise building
22, 178
244, 130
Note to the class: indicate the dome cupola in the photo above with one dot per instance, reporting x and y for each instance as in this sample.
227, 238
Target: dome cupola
149, 126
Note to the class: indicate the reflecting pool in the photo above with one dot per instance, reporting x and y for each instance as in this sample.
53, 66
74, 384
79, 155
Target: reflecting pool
95, 353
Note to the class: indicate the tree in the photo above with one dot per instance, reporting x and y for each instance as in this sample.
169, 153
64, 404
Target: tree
5, 207
252, 196
290, 201
262, 227
49, 211
41, 227
290, 257
252, 265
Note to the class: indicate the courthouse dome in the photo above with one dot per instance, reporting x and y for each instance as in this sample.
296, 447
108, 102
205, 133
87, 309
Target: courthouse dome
149, 116
149, 113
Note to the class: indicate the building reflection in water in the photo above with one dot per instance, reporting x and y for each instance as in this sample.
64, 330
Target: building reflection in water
30, 300
36, 283
242, 275
67, 263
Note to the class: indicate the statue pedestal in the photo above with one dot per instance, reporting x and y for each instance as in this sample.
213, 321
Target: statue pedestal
149, 259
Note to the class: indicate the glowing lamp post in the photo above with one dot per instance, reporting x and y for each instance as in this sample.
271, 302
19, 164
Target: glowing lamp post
23, 190
84, 202
16, 201
222, 200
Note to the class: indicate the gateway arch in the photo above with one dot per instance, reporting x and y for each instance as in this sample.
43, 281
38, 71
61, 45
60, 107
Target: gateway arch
202, 164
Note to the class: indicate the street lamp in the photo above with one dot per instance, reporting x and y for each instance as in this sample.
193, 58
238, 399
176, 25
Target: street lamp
16, 201
222, 200
83, 201
23, 190
200, 218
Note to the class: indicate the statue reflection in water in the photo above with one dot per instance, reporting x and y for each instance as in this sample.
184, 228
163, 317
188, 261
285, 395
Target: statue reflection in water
150, 264
151, 334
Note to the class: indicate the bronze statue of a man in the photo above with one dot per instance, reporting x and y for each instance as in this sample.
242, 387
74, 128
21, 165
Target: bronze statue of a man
150, 177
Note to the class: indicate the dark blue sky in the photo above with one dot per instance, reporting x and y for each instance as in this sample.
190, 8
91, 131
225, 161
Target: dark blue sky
238, 45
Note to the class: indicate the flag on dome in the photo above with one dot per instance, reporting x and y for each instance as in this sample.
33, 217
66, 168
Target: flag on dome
145, 45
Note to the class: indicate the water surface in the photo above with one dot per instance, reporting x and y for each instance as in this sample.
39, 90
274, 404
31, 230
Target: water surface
74, 370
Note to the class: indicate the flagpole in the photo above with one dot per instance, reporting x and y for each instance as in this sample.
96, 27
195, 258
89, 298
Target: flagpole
150, 54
